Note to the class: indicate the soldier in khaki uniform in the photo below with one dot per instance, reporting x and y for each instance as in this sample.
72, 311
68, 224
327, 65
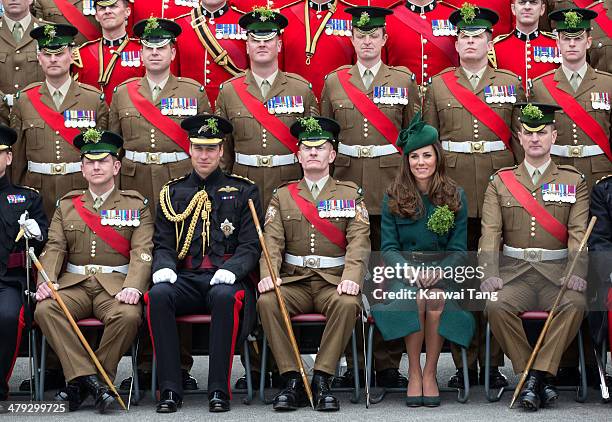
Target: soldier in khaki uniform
584, 95
471, 106
261, 105
320, 254
103, 237
48, 115
80, 13
153, 154
372, 102
529, 275
18, 63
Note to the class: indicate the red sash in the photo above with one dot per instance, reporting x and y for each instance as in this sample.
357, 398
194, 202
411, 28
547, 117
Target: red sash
106, 233
325, 227
533, 207
602, 19
273, 124
478, 108
578, 114
423, 27
53, 118
154, 116
77, 19
366, 106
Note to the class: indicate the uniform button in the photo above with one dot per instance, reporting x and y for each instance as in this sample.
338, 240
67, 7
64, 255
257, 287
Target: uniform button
16, 67
263, 131
207, 70
533, 194
528, 66
152, 130
312, 235
528, 59
152, 145
573, 124
57, 142
365, 134
476, 135
476, 126
93, 255
532, 218
57, 132
312, 226
424, 75
475, 130
207, 62
93, 242
127, 114
312, 250
16, 85
475, 121
18, 51
365, 120
575, 141
424, 56
152, 136
424, 65
574, 130
165, 6
423, 16
424, 40
207, 81
533, 223
448, 105
532, 234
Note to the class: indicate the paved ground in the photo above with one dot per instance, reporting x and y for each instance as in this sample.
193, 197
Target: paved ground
391, 409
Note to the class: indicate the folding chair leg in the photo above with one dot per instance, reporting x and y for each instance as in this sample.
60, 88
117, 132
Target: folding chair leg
247, 366
377, 399
43, 364
36, 364
357, 392
135, 372
464, 395
582, 390
154, 379
262, 377
490, 396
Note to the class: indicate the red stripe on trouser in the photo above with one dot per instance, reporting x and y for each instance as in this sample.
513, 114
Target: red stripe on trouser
146, 301
238, 298
20, 326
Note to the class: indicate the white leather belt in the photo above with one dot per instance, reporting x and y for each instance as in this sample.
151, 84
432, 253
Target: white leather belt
54, 168
476, 147
155, 157
314, 261
265, 160
535, 254
366, 151
576, 151
96, 269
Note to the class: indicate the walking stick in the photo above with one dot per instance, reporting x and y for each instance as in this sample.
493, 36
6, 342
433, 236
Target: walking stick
365, 313
74, 325
281, 304
551, 314
28, 267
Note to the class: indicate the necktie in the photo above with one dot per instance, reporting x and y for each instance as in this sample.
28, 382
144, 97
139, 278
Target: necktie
156, 91
265, 88
535, 177
315, 190
575, 81
98, 203
17, 32
57, 99
368, 77
474, 81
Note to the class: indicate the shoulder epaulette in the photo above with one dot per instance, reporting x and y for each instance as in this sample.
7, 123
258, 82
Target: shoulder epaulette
602, 72
501, 37
241, 75
32, 85
71, 194
235, 9
348, 183
184, 15
128, 81
296, 77
189, 81
134, 194
27, 187
87, 87
571, 168
345, 66
173, 181
293, 3
282, 185
236, 176
508, 72
607, 176
86, 43
448, 69
544, 74
403, 69
452, 6
503, 169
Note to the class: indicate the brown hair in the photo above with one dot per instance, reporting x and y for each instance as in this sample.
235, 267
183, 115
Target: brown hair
405, 199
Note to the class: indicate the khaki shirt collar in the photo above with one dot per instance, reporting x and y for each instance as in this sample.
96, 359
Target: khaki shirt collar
260, 80
374, 69
531, 169
161, 85
25, 22
62, 89
104, 196
581, 72
320, 183
479, 73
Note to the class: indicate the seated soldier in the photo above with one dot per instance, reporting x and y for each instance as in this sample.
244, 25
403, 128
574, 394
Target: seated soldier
104, 237
205, 245
321, 259
540, 210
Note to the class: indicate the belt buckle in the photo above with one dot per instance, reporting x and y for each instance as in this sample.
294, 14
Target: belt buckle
477, 147
532, 255
264, 160
575, 151
92, 269
312, 262
153, 157
365, 151
58, 168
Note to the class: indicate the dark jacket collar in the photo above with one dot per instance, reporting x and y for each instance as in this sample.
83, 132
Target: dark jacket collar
320, 7
217, 13
211, 180
524, 37
421, 9
113, 43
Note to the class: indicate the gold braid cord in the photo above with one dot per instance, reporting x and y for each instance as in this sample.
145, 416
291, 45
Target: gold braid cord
199, 205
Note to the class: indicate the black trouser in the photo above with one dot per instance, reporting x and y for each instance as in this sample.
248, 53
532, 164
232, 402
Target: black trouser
11, 327
192, 294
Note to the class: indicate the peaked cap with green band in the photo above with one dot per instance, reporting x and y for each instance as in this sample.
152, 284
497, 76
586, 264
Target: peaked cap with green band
97, 144
314, 131
473, 20
8, 137
263, 23
417, 135
207, 129
54, 37
156, 32
367, 18
535, 116
572, 20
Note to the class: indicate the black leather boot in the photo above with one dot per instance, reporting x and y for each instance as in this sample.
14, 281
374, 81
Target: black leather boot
169, 402
292, 396
530, 394
321, 392
218, 401
103, 398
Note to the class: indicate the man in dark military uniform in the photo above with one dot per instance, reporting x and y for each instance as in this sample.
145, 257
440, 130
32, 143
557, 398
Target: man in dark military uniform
471, 106
48, 115
19, 207
113, 58
584, 95
527, 51
205, 267
538, 210
262, 104
320, 258
99, 254
20, 66
79, 13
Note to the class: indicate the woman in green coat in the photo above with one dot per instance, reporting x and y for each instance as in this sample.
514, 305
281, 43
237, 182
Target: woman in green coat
424, 225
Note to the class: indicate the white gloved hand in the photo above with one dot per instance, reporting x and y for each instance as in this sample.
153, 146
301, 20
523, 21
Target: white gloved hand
30, 227
165, 275
223, 277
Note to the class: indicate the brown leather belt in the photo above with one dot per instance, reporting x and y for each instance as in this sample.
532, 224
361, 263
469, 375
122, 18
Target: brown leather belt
206, 263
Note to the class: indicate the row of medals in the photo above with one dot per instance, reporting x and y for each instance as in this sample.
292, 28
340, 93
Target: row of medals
79, 118
120, 218
336, 208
